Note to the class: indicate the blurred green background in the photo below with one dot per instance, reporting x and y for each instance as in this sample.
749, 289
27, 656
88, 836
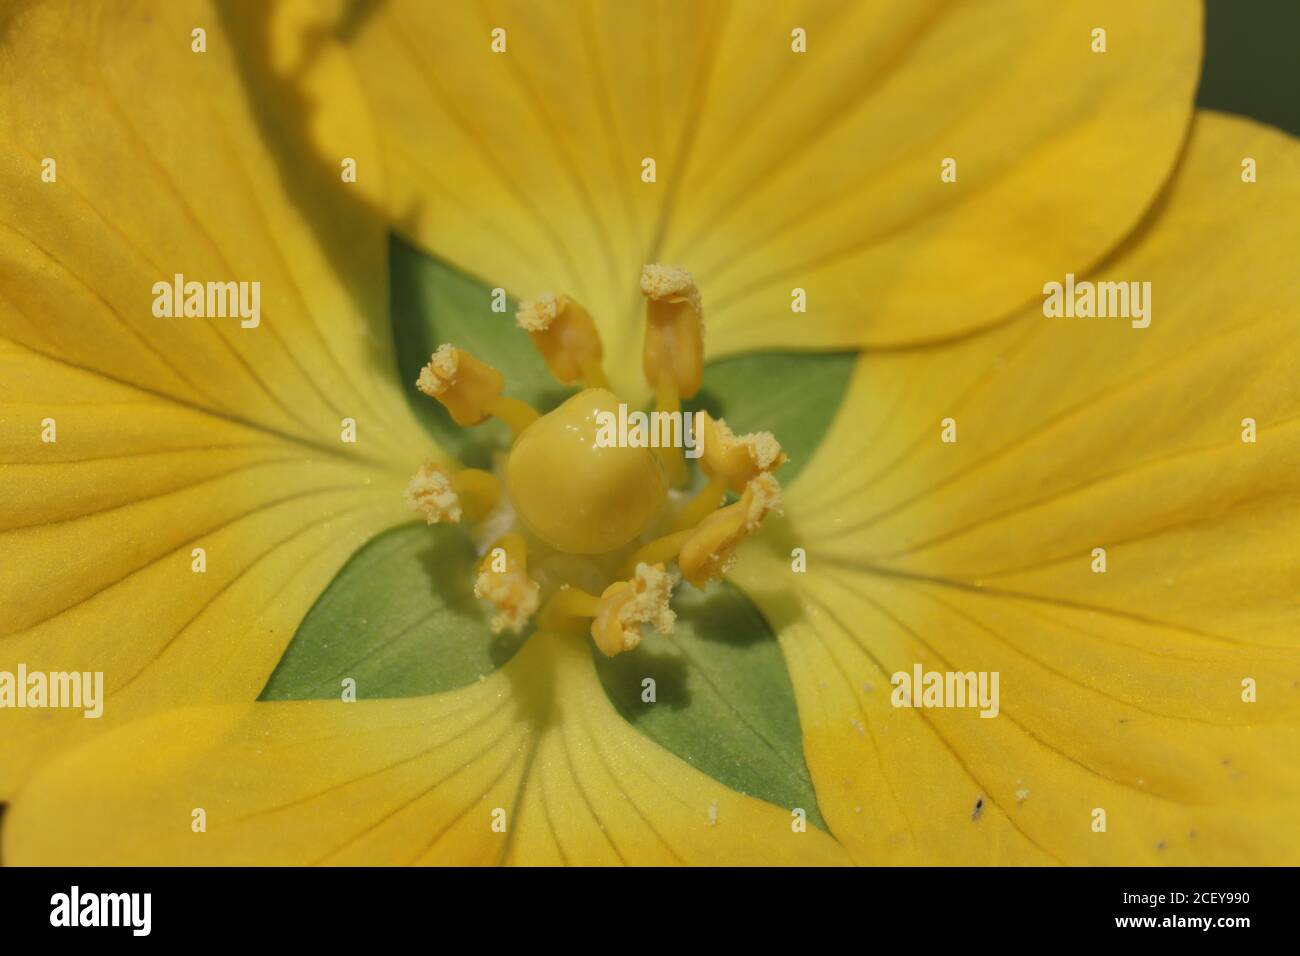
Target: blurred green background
1252, 60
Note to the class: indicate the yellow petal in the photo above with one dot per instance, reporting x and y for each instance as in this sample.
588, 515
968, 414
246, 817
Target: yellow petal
537, 746
778, 170
1120, 690
180, 433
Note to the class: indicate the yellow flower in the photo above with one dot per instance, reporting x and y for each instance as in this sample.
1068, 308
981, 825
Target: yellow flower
208, 480
775, 173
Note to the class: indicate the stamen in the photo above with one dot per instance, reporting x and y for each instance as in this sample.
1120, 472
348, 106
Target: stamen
673, 359
738, 458
442, 497
471, 390
710, 551
509, 589
565, 335
674, 301
626, 605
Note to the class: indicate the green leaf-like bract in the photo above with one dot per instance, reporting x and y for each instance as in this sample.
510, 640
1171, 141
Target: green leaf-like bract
400, 619
723, 699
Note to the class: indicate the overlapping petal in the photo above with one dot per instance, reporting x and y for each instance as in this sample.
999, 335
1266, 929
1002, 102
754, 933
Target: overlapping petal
777, 169
536, 749
180, 433
1121, 691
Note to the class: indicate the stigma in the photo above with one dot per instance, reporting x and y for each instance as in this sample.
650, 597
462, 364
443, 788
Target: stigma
580, 495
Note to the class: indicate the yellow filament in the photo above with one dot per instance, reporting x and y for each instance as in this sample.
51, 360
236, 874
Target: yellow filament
478, 491
658, 551
668, 400
702, 505
516, 414
568, 611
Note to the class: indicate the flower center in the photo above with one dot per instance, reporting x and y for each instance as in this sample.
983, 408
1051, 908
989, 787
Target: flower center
594, 514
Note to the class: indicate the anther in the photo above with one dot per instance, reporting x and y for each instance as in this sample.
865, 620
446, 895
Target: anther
731, 462
738, 458
710, 550
504, 583
470, 390
443, 496
565, 335
674, 333
626, 605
